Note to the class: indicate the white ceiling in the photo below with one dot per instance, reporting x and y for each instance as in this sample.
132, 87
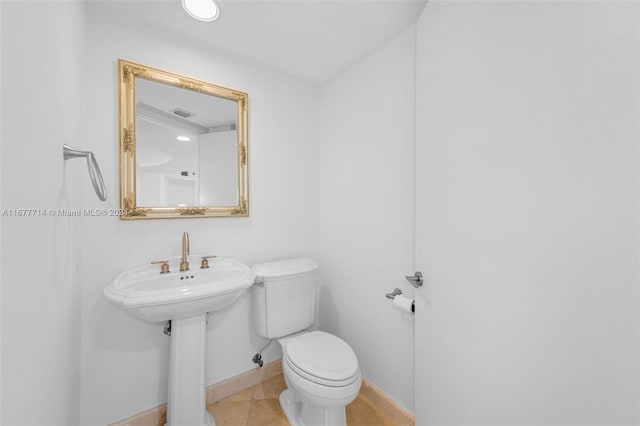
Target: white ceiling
310, 39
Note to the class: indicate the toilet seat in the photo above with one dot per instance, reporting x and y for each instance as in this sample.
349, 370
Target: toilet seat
322, 358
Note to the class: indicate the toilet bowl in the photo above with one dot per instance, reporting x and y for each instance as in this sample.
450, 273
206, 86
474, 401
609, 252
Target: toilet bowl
321, 370
322, 376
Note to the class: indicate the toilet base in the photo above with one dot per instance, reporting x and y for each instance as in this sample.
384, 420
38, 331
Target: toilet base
290, 408
299, 413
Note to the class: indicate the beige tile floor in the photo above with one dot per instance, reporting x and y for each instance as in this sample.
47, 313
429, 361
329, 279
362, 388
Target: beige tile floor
259, 405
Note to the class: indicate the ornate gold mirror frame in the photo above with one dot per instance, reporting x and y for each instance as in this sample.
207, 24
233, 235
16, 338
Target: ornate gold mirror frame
128, 73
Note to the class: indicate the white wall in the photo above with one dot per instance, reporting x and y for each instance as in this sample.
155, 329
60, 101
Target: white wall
527, 138
365, 219
124, 360
40, 288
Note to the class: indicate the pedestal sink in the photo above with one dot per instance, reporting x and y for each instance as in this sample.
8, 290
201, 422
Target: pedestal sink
184, 298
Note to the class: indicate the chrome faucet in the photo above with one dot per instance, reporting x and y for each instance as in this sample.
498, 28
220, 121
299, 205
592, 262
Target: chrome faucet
184, 263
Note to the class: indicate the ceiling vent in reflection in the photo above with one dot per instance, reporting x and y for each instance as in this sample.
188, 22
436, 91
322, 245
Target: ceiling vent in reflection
182, 113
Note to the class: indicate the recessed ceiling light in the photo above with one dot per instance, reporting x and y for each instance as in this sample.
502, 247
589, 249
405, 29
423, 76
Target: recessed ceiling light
183, 138
202, 10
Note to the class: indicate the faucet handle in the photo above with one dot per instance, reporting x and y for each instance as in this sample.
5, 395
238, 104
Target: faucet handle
164, 265
205, 261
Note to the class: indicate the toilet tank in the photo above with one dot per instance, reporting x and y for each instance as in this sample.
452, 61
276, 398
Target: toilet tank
283, 300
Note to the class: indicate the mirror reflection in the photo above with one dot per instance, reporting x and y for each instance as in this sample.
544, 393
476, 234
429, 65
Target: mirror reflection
183, 146
186, 150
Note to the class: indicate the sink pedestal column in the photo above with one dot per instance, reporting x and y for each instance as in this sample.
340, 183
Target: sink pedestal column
186, 400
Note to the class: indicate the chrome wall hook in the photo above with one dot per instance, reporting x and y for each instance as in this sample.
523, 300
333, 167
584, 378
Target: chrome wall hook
416, 279
69, 152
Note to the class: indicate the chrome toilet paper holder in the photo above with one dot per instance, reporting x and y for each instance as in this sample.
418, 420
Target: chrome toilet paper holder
393, 294
398, 292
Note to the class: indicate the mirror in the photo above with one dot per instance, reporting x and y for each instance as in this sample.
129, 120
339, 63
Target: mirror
183, 146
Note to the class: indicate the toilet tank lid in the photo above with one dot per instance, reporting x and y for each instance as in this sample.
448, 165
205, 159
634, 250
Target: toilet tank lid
285, 267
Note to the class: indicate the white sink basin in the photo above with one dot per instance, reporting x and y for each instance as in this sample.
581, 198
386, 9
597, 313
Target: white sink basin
147, 294
184, 298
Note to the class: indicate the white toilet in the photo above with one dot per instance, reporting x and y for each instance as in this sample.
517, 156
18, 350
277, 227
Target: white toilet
321, 370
